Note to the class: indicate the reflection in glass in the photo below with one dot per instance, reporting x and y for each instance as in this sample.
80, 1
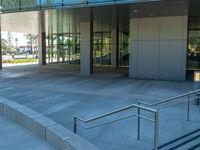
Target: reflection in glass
123, 53
10, 4
123, 37
63, 37
102, 48
28, 4
194, 49
20, 5
102, 37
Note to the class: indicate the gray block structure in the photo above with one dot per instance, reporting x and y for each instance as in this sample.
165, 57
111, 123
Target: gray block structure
62, 139
39, 124
158, 47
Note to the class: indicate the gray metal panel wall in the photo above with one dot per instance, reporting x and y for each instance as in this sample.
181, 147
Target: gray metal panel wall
158, 47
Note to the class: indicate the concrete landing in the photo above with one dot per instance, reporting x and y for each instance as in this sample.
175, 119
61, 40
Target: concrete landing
59, 92
14, 136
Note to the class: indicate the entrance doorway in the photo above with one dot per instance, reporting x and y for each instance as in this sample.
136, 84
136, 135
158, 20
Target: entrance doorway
102, 48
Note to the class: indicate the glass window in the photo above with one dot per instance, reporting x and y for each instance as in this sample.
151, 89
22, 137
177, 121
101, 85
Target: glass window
67, 2
194, 49
8, 5
98, 2
123, 49
102, 48
193, 53
29, 4
102, 40
123, 37
64, 37
16, 5
51, 3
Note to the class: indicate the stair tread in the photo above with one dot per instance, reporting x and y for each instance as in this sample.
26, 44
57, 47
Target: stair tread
184, 140
195, 147
190, 144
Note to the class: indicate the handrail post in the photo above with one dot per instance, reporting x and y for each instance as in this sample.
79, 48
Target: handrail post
75, 125
156, 131
138, 122
188, 108
198, 101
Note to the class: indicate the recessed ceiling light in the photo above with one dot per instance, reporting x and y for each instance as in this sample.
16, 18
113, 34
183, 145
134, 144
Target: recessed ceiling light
151, 15
135, 11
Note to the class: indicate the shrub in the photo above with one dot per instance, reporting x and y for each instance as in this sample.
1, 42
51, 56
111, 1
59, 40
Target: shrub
17, 61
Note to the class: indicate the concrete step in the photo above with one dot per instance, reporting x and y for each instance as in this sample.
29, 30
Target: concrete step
15, 137
186, 142
192, 145
195, 147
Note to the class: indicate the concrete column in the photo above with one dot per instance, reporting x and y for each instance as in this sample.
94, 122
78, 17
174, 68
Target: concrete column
86, 43
0, 46
41, 38
114, 35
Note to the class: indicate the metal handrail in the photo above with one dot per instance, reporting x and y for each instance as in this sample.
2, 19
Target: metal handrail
115, 111
174, 99
171, 99
178, 102
139, 107
138, 115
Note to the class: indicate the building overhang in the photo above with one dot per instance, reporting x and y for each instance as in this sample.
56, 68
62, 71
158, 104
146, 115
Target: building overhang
8, 6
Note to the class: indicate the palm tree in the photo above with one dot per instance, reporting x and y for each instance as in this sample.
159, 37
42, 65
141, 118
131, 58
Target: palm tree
9, 40
16, 42
31, 40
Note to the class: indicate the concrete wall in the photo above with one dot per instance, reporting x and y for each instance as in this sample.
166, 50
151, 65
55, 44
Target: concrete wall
158, 47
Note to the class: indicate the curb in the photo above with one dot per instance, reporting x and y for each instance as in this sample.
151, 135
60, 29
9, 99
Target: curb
53, 133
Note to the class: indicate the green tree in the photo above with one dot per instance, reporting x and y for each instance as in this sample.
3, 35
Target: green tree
5, 47
9, 40
16, 44
31, 40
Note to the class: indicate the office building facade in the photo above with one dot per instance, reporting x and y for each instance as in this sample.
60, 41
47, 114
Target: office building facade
154, 39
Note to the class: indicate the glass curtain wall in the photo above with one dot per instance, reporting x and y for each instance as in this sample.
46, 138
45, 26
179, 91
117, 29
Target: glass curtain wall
23, 5
102, 46
193, 54
102, 37
123, 37
63, 37
194, 43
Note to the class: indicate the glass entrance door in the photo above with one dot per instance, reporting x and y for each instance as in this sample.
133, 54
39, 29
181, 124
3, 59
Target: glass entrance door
102, 48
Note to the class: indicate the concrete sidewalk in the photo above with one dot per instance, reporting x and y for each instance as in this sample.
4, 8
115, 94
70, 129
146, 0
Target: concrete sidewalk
53, 91
14, 137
